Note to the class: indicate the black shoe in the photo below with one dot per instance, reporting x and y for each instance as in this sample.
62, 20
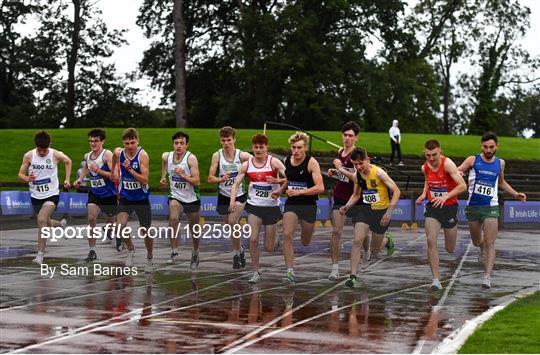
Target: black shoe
119, 244
236, 262
352, 282
91, 256
242, 259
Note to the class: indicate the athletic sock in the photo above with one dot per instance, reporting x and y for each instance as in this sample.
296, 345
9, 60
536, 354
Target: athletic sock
335, 266
290, 269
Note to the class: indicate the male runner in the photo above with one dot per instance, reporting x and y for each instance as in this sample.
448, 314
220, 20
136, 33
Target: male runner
263, 198
223, 170
482, 211
305, 183
134, 192
372, 184
41, 163
182, 168
344, 172
442, 186
102, 192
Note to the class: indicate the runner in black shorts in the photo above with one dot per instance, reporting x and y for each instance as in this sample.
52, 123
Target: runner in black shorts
102, 195
133, 164
373, 185
263, 198
223, 171
304, 183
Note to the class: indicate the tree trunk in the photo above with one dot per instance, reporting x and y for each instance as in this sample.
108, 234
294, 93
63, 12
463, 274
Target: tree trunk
446, 97
72, 62
180, 63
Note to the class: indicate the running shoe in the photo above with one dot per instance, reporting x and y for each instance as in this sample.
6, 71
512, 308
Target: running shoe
435, 285
91, 256
487, 282
194, 260
38, 259
242, 259
129, 257
255, 278
288, 278
352, 282
119, 244
334, 274
236, 262
390, 246
63, 223
172, 259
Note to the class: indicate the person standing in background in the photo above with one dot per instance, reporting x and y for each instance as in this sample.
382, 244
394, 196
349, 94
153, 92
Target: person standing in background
395, 142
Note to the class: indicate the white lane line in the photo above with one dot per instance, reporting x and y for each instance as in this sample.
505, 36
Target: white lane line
319, 295
277, 331
420, 344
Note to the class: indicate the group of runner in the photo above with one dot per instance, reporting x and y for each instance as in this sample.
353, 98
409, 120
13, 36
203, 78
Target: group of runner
119, 186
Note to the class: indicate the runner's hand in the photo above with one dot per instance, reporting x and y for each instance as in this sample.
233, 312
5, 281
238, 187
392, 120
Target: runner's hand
292, 193
343, 210
272, 180
331, 172
521, 196
386, 218
338, 164
77, 183
275, 194
420, 199
232, 207
163, 182
439, 201
67, 185
93, 168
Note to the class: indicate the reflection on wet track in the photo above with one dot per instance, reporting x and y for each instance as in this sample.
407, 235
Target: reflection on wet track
215, 310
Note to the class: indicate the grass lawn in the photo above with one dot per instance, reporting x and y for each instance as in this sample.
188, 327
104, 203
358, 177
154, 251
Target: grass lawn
204, 142
514, 330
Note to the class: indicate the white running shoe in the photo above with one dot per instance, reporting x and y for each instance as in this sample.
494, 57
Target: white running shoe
487, 282
149, 268
334, 274
435, 285
256, 278
63, 223
38, 259
129, 257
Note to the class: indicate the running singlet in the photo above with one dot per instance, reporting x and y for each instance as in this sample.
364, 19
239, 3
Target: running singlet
299, 178
484, 182
100, 185
226, 166
439, 183
130, 188
46, 172
374, 191
180, 188
344, 188
259, 190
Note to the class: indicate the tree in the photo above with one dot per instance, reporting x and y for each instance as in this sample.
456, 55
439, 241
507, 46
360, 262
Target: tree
180, 63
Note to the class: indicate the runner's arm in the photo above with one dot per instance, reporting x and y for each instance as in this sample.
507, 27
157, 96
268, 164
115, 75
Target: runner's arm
212, 177
466, 165
60, 156
315, 170
194, 179
84, 172
236, 186
357, 193
144, 161
163, 180
506, 186
24, 168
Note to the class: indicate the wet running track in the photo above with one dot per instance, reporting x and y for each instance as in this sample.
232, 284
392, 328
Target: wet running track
215, 309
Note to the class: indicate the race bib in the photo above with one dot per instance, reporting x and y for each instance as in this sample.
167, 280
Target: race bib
230, 180
262, 191
43, 185
131, 185
438, 192
97, 182
484, 190
371, 196
178, 183
297, 185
